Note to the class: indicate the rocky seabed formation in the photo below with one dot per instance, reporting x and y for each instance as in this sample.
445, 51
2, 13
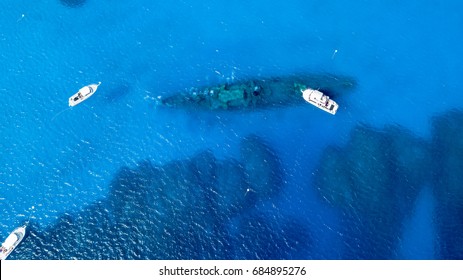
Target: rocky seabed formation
200, 208
205, 208
376, 178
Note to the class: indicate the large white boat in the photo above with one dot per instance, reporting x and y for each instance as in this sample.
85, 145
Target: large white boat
12, 241
83, 94
320, 100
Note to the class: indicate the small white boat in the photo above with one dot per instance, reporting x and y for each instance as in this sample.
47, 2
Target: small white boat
12, 241
83, 94
320, 100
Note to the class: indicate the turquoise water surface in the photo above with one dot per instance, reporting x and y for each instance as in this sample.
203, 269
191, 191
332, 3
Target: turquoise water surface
379, 180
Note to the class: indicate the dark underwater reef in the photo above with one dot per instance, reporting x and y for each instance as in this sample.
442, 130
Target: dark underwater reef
73, 3
201, 208
374, 185
447, 153
376, 178
198, 208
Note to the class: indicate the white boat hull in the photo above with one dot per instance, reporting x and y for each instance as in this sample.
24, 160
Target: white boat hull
320, 100
83, 94
12, 241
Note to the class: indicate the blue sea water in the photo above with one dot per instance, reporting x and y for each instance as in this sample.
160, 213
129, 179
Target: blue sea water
405, 58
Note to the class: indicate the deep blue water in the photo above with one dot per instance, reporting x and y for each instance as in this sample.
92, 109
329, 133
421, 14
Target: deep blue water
381, 179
